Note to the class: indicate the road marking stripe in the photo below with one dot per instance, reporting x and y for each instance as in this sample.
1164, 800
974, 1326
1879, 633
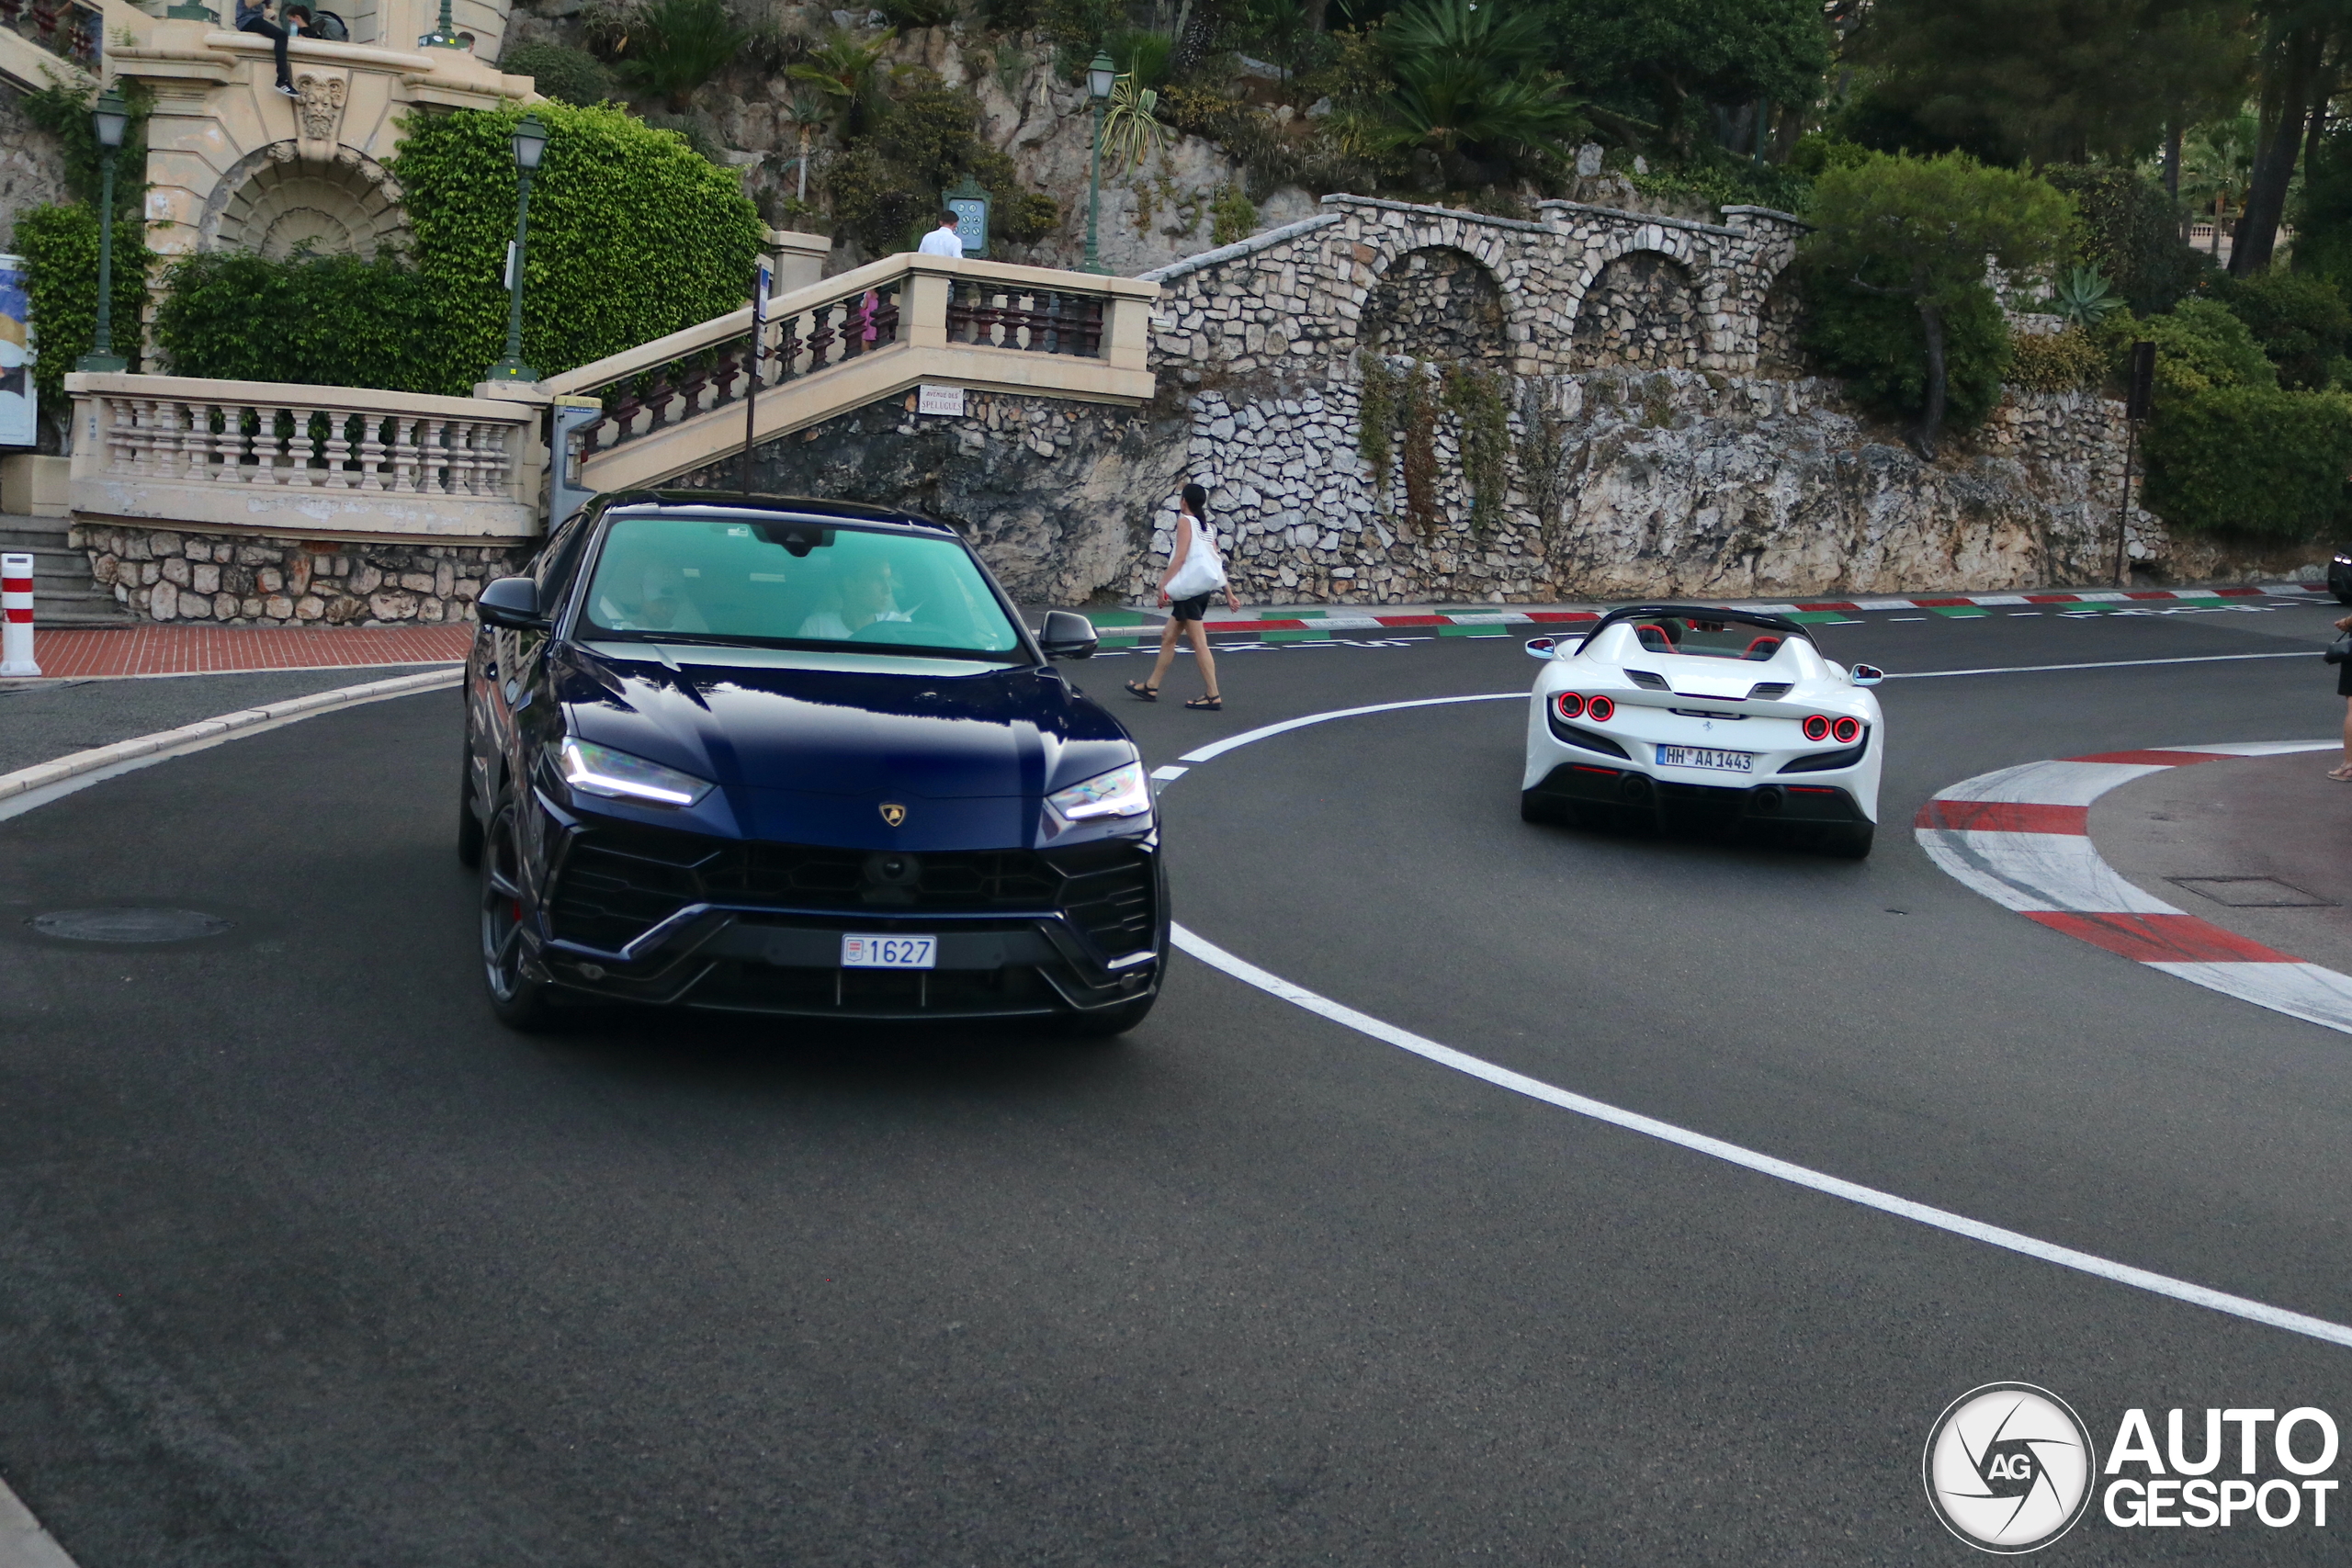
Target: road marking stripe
2158, 939
2003, 817
1762, 1164
2320, 997
23, 1543
2101, 664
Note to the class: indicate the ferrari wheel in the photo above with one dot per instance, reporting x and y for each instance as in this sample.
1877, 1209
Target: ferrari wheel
519, 1001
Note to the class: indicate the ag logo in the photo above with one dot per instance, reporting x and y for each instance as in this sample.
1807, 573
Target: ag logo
893, 814
2009, 1467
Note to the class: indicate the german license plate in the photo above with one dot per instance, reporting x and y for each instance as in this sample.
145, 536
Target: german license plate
889, 952
1701, 757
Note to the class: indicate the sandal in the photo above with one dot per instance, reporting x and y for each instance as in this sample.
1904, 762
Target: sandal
2341, 774
1149, 693
1213, 705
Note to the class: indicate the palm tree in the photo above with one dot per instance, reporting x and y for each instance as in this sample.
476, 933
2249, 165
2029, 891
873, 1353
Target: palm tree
853, 75
1467, 84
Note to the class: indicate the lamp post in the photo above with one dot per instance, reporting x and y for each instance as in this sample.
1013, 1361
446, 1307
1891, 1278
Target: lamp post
530, 146
445, 33
109, 117
1099, 77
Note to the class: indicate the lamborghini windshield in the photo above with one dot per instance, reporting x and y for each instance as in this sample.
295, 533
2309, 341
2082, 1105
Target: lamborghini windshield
794, 582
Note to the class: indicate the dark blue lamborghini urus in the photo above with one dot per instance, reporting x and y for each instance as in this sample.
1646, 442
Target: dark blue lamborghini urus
798, 757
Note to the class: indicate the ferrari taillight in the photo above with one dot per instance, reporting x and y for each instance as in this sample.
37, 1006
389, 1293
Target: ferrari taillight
1816, 727
1598, 709
1568, 704
1844, 729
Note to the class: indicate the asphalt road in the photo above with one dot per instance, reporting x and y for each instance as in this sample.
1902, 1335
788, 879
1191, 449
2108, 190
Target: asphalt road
304, 1260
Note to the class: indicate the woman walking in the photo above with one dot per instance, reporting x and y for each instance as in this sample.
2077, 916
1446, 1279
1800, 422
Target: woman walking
1194, 573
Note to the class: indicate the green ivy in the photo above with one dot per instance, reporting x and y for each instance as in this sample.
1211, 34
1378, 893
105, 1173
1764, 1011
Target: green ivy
1375, 417
64, 112
2251, 461
325, 321
1476, 399
633, 237
60, 245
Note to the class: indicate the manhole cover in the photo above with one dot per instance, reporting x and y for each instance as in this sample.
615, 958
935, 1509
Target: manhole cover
126, 924
2251, 892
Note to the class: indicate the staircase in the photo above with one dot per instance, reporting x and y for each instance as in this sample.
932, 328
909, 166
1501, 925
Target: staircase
63, 594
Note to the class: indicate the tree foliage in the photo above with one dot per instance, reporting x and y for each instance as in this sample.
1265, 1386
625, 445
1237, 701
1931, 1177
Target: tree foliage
678, 45
1656, 62
1877, 344
633, 236
60, 245
2300, 321
2131, 231
2252, 460
1919, 231
559, 72
1469, 89
2200, 346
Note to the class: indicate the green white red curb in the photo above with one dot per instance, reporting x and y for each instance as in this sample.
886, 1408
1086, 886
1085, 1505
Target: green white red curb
2020, 835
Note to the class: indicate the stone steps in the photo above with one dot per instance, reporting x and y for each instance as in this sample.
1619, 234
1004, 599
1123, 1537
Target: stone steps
63, 594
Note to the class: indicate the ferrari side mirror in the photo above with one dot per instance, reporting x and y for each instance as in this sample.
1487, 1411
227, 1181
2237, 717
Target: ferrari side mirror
1541, 647
1868, 675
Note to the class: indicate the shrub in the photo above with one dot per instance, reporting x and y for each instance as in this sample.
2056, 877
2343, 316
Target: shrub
632, 237
2200, 346
678, 45
1879, 345
2054, 362
2131, 231
566, 75
2300, 320
2251, 461
908, 14
1231, 216
1028, 216
60, 245
1142, 53
324, 320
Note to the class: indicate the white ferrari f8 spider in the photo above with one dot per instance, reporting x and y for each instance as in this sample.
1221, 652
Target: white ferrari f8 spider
1668, 713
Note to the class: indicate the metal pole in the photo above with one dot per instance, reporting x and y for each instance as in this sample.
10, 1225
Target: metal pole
1094, 192
751, 402
2123, 512
512, 368
102, 356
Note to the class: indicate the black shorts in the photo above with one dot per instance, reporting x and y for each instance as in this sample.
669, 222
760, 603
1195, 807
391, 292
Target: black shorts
2344, 680
1196, 608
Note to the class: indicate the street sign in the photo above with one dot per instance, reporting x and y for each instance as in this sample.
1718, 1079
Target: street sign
939, 400
760, 293
18, 403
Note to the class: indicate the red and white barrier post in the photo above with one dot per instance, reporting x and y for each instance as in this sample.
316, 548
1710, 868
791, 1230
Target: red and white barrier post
16, 605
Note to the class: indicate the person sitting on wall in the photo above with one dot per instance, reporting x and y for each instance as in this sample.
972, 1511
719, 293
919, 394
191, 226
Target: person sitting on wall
253, 17
943, 241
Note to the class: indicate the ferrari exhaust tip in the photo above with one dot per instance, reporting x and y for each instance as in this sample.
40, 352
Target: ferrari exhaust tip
1634, 786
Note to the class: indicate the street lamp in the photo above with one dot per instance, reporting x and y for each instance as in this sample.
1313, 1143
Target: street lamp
109, 117
444, 34
1100, 77
530, 146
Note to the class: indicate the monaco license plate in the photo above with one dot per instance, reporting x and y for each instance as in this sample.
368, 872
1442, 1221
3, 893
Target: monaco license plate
889, 952
1701, 757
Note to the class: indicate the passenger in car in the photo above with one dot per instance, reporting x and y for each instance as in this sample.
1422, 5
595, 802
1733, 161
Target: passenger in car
866, 594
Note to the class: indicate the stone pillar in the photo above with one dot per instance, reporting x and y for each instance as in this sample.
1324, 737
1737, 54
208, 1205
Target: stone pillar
797, 260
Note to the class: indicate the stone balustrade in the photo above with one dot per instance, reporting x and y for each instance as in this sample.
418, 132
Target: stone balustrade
325, 462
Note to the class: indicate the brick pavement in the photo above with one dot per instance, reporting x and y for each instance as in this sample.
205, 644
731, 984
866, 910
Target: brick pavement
74, 653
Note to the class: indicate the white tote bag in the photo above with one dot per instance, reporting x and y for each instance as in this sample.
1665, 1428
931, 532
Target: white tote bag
1202, 572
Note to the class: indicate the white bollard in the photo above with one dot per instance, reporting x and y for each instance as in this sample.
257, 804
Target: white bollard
16, 606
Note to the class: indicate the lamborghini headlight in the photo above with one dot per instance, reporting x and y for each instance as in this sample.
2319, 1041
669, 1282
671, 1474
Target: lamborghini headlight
599, 770
1122, 792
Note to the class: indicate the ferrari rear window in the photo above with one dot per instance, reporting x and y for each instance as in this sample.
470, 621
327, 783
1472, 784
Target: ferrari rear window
794, 583
1708, 639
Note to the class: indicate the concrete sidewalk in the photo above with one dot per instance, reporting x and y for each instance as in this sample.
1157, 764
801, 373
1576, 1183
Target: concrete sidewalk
2260, 846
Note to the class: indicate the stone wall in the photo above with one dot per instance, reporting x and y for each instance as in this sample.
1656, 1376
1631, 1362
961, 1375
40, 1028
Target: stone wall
32, 164
169, 576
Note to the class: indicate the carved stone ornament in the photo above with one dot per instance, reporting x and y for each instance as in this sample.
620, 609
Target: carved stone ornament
318, 108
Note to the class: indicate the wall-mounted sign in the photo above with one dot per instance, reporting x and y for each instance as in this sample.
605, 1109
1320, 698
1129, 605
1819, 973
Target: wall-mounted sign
970, 203
939, 400
19, 409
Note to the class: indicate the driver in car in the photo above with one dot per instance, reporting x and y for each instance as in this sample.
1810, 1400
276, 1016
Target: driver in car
867, 594
653, 598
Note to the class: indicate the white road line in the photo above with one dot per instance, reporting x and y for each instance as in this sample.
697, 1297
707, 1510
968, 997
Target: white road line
1430, 1050
1837, 1186
23, 1543
2101, 664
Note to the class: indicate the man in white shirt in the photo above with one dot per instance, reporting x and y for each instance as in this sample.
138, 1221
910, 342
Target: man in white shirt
943, 241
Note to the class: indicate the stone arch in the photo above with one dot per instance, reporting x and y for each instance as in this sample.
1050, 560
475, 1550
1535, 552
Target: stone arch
1437, 302
276, 200
1644, 308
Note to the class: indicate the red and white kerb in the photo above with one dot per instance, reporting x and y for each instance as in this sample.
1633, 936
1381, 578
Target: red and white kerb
2021, 837
16, 607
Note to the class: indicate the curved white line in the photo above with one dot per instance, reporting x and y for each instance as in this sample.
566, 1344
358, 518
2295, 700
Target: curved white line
2100, 664
1700, 1143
